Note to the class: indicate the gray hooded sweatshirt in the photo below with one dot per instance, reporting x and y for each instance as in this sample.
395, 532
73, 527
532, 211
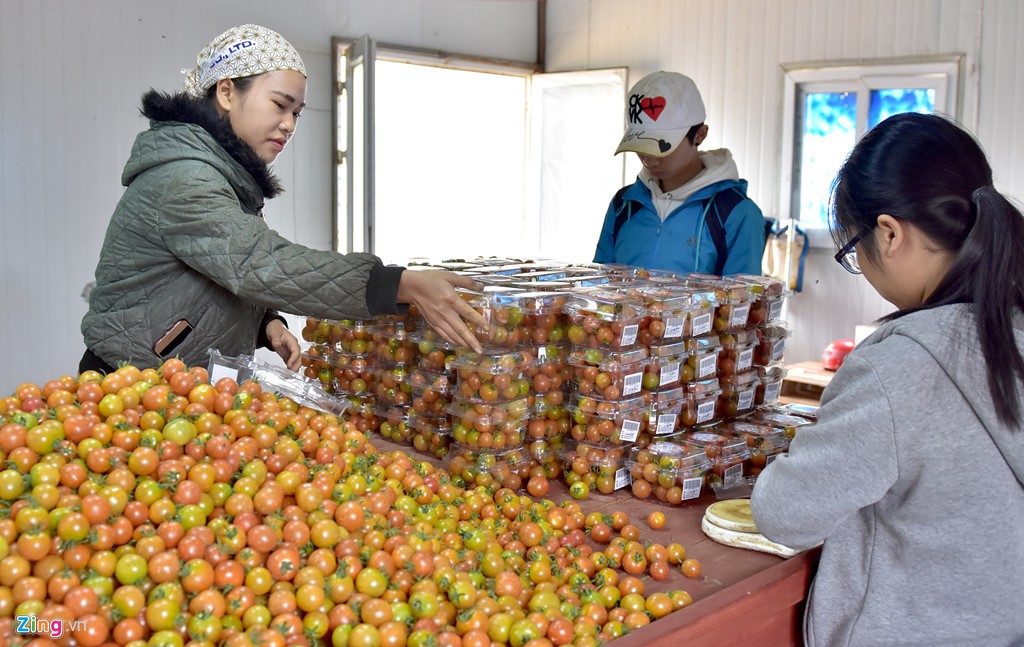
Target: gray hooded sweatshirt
916, 488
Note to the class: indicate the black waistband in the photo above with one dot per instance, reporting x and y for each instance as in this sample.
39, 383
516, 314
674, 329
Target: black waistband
90, 362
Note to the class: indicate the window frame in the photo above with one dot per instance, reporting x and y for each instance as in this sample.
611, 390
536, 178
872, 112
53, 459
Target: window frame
943, 73
356, 231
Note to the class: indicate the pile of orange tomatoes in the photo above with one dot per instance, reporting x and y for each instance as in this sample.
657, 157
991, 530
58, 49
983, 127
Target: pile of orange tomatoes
150, 507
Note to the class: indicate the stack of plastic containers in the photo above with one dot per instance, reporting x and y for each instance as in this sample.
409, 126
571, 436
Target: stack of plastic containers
608, 374
608, 365
343, 349
736, 373
492, 400
393, 354
545, 325
748, 321
771, 332
549, 420
431, 384
678, 319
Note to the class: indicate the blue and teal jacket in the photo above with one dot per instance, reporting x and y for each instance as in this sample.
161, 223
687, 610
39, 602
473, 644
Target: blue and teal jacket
683, 242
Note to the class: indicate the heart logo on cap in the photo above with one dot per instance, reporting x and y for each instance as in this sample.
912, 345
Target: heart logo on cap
652, 106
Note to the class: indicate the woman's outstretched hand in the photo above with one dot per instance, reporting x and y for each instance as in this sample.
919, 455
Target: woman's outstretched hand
284, 344
433, 292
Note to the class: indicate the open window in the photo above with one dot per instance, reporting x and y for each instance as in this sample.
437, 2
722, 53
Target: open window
444, 156
829, 107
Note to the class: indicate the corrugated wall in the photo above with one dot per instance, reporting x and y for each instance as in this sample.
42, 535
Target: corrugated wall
734, 50
72, 74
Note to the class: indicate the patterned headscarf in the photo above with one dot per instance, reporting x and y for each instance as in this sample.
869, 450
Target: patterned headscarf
239, 52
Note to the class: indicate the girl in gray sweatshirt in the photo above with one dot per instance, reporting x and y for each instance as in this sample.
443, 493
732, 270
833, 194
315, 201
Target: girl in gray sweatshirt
914, 473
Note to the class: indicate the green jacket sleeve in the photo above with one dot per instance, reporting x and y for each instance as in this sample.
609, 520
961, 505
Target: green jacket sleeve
203, 224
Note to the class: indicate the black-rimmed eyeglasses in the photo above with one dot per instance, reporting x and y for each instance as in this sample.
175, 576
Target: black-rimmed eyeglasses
847, 256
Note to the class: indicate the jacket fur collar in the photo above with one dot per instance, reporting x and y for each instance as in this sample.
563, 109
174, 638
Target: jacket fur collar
160, 106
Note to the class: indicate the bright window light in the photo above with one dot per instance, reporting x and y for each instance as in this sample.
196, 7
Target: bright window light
450, 176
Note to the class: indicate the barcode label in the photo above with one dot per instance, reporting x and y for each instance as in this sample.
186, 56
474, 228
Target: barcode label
768, 460
666, 424
622, 478
631, 384
733, 474
777, 349
708, 366
745, 360
691, 488
669, 374
745, 401
775, 310
739, 316
629, 335
630, 430
674, 327
223, 371
542, 353
705, 411
771, 392
700, 325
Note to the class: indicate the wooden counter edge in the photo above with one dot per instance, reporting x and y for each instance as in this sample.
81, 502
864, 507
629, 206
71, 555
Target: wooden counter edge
772, 597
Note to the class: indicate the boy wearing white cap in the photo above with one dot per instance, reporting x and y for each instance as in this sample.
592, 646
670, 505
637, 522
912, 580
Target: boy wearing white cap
688, 211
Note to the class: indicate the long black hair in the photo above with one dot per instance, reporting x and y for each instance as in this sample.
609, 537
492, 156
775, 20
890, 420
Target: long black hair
926, 170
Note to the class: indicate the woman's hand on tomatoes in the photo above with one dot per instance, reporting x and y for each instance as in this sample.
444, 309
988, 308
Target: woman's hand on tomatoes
433, 292
284, 344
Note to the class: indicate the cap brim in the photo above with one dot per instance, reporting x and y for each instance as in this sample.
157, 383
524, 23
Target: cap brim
655, 143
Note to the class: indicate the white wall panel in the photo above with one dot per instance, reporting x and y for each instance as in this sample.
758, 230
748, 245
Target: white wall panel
734, 50
72, 75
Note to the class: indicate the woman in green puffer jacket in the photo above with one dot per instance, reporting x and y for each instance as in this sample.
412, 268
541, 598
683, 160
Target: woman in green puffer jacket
188, 263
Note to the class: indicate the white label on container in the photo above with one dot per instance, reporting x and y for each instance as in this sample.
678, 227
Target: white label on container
777, 349
669, 374
708, 365
630, 430
223, 371
739, 316
691, 488
632, 383
775, 310
674, 327
705, 411
629, 335
701, 325
622, 478
745, 360
768, 460
745, 400
733, 474
666, 424
542, 353
771, 392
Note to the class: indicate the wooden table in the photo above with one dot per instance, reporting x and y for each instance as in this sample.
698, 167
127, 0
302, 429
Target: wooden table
804, 383
742, 597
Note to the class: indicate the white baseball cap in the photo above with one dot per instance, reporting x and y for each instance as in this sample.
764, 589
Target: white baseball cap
660, 109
